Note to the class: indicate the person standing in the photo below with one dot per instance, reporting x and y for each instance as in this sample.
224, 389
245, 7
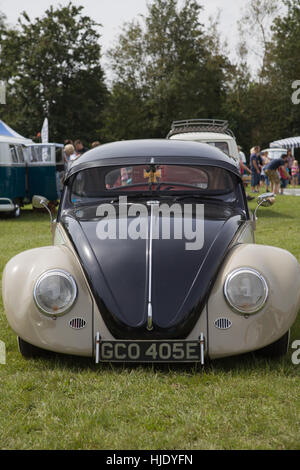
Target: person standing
95, 144
242, 155
290, 160
79, 148
272, 171
70, 155
266, 160
244, 169
255, 169
284, 177
295, 173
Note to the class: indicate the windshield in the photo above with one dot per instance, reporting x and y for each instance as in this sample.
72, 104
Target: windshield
39, 154
100, 182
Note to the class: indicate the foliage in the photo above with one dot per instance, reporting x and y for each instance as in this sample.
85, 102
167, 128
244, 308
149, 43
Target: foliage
170, 65
283, 68
261, 107
254, 27
52, 65
166, 65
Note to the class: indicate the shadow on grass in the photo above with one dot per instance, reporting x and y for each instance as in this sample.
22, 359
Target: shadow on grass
270, 214
28, 216
248, 363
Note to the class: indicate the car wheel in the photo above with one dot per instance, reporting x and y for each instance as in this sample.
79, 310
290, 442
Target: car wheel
29, 350
276, 349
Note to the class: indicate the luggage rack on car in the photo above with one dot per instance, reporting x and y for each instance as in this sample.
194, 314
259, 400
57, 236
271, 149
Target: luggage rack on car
200, 125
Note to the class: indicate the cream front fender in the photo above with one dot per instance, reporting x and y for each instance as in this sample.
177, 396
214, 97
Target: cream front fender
281, 271
19, 278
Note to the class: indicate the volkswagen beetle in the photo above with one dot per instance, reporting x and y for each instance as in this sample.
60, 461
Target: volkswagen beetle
153, 260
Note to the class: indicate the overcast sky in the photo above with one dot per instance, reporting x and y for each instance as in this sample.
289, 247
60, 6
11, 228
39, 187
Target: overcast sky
113, 13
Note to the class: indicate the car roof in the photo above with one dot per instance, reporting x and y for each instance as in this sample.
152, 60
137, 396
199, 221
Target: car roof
275, 149
147, 151
214, 136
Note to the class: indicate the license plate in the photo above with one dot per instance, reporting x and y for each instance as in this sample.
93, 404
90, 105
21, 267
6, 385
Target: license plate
149, 351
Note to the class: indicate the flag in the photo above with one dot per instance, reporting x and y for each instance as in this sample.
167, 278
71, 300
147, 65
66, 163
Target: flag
45, 132
2, 92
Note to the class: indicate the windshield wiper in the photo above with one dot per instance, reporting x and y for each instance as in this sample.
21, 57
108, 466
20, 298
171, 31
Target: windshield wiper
112, 199
201, 196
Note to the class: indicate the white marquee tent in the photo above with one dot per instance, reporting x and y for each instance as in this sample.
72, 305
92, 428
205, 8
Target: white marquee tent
290, 143
8, 134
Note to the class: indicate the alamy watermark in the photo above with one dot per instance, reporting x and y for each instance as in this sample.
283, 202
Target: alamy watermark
2, 353
296, 354
2, 92
296, 94
176, 221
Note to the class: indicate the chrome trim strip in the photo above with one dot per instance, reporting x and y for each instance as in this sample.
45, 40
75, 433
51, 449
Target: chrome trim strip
97, 359
202, 342
149, 323
150, 257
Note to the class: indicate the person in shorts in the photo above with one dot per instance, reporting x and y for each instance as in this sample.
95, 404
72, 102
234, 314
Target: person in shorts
272, 171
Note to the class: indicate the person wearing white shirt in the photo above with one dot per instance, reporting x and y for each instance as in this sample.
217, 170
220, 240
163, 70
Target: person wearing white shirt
242, 155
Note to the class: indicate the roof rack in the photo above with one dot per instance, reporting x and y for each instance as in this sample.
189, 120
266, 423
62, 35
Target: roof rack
200, 125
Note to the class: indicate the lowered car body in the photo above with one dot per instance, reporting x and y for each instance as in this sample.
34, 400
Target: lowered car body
153, 260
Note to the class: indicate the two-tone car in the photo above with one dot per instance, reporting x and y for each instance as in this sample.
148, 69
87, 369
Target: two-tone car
153, 260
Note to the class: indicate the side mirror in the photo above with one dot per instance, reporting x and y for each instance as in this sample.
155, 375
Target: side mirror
265, 200
40, 202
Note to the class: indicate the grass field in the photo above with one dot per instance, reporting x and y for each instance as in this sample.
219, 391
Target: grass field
69, 403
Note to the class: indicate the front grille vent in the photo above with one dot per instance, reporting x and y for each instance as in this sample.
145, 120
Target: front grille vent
77, 323
222, 323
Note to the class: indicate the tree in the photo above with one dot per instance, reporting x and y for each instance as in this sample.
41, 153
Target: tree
168, 64
52, 66
283, 69
259, 104
255, 30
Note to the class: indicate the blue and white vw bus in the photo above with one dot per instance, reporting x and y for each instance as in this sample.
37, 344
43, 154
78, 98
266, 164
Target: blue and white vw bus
13, 184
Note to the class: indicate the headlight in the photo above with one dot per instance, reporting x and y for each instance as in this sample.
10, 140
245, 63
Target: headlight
55, 292
246, 290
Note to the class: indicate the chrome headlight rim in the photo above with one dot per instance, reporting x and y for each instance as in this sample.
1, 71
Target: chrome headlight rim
66, 275
263, 301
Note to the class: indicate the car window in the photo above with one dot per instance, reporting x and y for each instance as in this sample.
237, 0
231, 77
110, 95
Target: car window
223, 146
40, 154
177, 178
129, 176
19, 150
59, 155
13, 154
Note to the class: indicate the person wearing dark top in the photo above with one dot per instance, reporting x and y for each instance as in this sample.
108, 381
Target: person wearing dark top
272, 171
79, 148
255, 169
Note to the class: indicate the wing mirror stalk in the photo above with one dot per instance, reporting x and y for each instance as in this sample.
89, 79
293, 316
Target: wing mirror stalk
265, 200
40, 202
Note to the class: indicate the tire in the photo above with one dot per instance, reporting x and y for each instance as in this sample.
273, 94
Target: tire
29, 350
277, 349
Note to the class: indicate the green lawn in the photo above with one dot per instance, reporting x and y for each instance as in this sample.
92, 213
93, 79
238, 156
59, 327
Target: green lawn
69, 403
